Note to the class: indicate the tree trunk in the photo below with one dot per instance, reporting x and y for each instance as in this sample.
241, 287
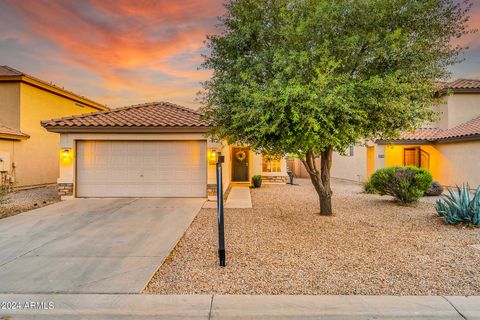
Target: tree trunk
321, 178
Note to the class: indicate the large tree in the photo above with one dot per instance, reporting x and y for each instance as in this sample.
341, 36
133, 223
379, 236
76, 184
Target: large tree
310, 77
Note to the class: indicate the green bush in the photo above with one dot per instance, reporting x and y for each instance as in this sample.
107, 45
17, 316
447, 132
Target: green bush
459, 206
406, 184
368, 187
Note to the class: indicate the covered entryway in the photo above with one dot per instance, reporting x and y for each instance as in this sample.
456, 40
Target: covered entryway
141, 169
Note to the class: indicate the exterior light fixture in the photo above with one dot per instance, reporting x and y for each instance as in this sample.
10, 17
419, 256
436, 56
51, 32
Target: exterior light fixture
212, 156
65, 154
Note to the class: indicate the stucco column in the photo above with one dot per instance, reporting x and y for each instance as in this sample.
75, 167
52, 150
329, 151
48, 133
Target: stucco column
379, 157
65, 182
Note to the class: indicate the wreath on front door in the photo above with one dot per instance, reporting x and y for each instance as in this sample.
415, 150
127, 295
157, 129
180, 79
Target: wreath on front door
240, 155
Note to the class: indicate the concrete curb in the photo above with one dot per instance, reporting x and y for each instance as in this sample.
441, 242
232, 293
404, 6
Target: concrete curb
134, 306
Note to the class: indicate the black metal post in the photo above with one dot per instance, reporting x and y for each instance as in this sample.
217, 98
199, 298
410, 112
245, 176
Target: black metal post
221, 235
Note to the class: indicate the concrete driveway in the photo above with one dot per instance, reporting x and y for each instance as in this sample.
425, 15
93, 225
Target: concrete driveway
91, 245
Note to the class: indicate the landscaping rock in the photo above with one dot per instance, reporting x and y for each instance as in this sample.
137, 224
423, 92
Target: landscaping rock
282, 246
24, 200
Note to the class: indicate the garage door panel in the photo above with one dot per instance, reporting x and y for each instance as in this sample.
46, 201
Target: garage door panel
141, 169
156, 175
150, 161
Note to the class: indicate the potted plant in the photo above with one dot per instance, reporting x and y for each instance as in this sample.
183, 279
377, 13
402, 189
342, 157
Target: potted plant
257, 181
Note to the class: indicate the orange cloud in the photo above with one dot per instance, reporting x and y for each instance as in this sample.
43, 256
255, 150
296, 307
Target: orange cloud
132, 50
122, 41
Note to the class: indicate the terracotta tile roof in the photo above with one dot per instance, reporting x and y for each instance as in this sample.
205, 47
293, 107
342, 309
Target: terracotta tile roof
469, 128
427, 134
462, 84
466, 129
4, 130
459, 86
154, 114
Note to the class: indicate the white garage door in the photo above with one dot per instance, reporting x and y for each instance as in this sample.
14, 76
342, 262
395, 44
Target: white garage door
141, 169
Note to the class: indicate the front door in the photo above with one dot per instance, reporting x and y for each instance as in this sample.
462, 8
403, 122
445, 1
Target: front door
240, 159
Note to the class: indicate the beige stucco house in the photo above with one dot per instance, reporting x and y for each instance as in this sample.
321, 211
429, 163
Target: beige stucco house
448, 148
150, 150
28, 153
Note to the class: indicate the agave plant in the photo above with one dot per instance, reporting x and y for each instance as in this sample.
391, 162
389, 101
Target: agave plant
459, 205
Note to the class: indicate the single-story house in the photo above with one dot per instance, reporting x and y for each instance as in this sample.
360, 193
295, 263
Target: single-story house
449, 148
28, 153
154, 149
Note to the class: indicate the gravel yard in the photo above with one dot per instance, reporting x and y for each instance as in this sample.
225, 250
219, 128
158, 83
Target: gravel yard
281, 246
24, 200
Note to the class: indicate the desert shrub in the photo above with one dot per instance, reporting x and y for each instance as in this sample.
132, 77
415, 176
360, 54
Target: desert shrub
435, 189
4, 189
368, 187
460, 206
405, 184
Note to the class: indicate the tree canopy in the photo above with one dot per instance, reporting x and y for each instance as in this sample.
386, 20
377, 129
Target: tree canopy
309, 76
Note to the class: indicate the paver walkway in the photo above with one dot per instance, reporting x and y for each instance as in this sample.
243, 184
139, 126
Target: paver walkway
91, 245
106, 306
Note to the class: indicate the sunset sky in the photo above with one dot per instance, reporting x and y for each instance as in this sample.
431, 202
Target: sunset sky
122, 52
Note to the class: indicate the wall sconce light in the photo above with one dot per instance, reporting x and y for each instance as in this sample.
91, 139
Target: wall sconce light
212, 156
65, 154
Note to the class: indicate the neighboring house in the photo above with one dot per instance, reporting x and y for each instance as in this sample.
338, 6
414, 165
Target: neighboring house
28, 153
155, 149
448, 148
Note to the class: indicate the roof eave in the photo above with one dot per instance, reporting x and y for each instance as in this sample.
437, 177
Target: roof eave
125, 129
54, 89
11, 136
458, 90
473, 137
403, 141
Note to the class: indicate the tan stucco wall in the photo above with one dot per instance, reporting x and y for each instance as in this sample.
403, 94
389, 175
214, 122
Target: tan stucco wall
350, 167
460, 163
462, 107
442, 115
36, 158
456, 109
9, 104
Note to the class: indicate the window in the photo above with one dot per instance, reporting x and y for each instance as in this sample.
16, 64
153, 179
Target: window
351, 150
416, 157
271, 164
